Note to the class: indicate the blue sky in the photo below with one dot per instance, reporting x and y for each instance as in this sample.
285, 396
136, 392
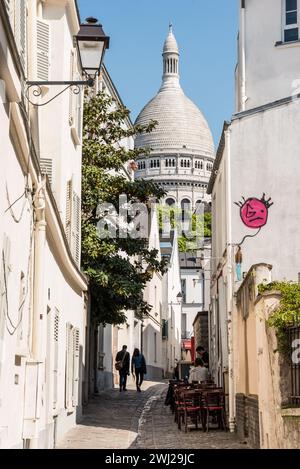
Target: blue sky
206, 32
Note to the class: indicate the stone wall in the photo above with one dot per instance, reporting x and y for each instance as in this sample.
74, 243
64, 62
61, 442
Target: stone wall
241, 421
247, 419
263, 377
252, 416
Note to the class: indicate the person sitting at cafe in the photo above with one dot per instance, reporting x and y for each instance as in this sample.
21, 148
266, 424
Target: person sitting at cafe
199, 373
203, 354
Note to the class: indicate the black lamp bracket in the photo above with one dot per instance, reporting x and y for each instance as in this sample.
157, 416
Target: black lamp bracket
35, 88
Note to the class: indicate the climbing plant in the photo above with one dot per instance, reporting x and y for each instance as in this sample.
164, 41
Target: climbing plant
288, 312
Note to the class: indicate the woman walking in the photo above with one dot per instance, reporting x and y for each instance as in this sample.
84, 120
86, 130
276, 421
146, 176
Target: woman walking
138, 368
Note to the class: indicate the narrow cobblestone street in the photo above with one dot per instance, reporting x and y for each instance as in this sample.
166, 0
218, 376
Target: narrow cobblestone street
139, 421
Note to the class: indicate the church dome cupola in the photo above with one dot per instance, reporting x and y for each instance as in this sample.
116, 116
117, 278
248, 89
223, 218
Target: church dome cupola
170, 58
181, 149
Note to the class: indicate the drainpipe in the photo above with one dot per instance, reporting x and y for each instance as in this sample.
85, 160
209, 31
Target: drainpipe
243, 55
230, 286
38, 282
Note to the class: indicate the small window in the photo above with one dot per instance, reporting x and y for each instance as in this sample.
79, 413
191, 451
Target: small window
291, 26
291, 35
291, 12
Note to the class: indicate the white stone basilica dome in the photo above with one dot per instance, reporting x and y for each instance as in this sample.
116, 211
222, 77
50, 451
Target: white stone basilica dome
181, 127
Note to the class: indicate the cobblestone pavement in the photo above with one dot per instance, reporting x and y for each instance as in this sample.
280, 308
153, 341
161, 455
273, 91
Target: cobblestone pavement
157, 430
115, 420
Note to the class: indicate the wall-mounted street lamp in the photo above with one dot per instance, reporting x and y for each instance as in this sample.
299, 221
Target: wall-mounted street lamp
91, 43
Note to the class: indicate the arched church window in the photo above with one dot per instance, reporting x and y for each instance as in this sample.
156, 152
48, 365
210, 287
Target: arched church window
185, 209
173, 163
170, 202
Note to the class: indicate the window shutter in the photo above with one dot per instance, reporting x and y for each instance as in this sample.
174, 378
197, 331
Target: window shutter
76, 228
76, 349
21, 31
69, 210
69, 367
10, 10
47, 168
55, 364
43, 50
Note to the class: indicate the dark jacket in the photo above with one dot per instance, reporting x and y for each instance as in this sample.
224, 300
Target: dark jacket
126, 361
139, 363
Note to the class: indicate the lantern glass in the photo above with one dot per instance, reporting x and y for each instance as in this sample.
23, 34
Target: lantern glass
91, 53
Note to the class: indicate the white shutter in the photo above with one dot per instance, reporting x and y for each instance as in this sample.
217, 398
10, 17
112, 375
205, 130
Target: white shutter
55, 363
76, 228
47, 168
10, 6
43, 50
69, 367
21, 30
76, 349
69, 210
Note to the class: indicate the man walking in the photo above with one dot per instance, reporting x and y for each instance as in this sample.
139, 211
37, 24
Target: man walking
123, 365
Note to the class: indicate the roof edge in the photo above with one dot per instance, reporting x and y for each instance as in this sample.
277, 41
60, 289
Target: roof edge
218, 158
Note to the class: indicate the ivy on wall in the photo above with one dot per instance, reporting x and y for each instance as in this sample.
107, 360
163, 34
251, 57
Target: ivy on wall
287, 314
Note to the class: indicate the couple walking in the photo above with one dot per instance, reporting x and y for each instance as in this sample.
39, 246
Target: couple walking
138, 367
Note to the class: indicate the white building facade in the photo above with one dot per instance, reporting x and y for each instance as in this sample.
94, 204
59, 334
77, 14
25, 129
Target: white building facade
171, 307
43, 304
255, 177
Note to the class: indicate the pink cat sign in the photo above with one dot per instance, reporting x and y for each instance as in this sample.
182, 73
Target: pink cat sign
255, 212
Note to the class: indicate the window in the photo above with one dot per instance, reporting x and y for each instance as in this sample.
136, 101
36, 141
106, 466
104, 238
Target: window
184, 333
185, 208
170, 202
72, 368
291, 26
183, 289
165, 334
56, 358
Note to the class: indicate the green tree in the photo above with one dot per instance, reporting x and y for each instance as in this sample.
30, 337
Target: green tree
201, 226
118, 269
